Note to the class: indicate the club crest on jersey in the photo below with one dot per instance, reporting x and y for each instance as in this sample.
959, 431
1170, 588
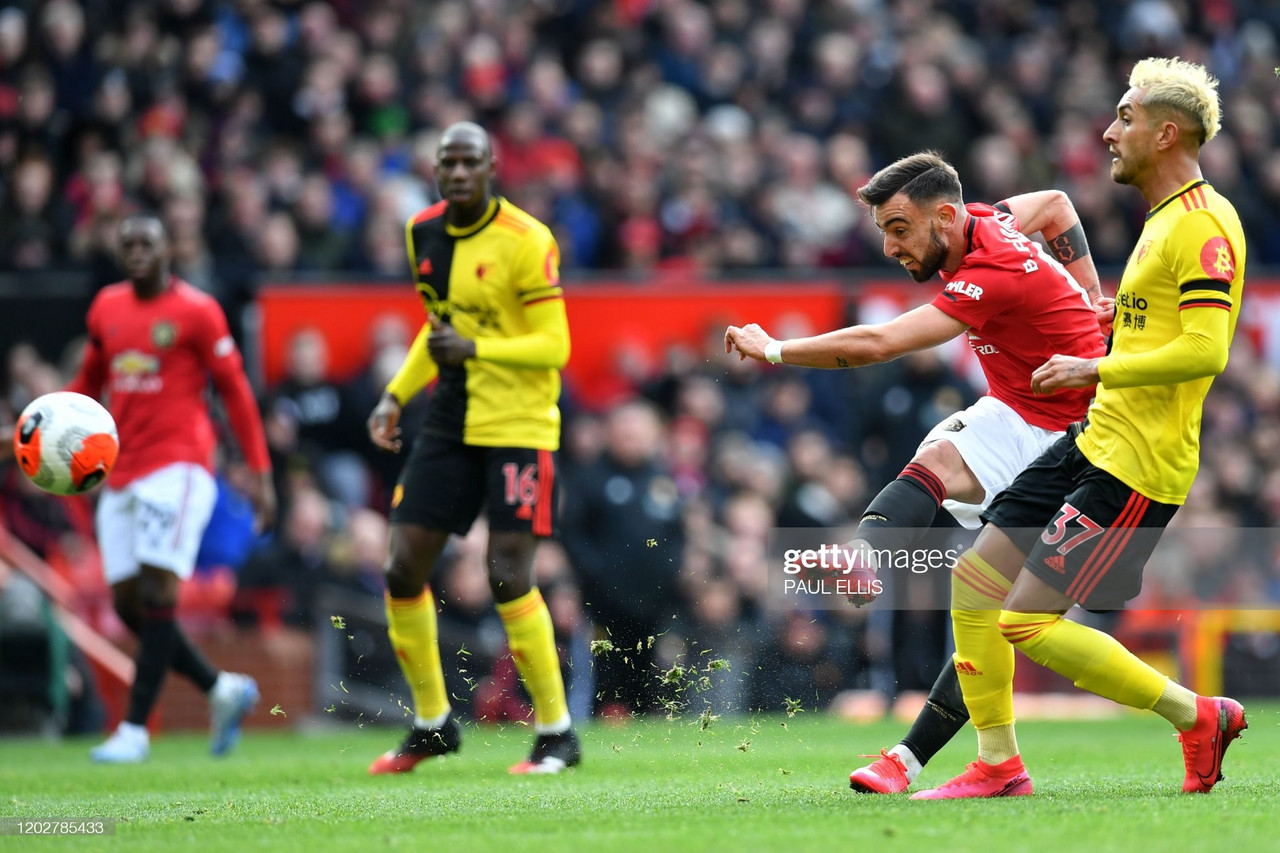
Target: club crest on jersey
1142, 251
551, 266
966, 288
481, 271
163, 334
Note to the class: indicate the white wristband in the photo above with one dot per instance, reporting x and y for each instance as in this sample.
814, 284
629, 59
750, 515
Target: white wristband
773, 352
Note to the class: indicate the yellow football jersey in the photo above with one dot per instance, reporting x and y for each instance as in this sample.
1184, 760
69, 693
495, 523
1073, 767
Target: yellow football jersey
1180, 291
481, 279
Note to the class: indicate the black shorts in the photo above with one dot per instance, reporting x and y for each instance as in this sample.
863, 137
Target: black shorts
446, 483
1085, 533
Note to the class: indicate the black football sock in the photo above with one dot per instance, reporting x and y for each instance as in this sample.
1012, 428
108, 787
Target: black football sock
942, 716
189, 662
903, 509
157, 636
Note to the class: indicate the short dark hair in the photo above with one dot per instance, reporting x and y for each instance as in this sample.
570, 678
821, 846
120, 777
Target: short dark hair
144, 217
922, 177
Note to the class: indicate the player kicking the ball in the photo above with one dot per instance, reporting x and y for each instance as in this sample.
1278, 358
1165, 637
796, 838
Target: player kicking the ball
1018, 306
1079, 524
153, 341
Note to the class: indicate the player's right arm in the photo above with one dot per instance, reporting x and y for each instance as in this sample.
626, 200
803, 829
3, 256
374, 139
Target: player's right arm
417, 369
415, 372
852, 346
92, 374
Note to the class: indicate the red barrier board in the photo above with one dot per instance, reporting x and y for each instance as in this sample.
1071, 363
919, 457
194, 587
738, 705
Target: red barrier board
618, 327
608, 322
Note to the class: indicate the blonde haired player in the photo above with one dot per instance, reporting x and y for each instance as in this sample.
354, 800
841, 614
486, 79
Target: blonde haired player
1077, 526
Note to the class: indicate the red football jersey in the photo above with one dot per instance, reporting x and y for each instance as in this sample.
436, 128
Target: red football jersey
1022, 307
150, 361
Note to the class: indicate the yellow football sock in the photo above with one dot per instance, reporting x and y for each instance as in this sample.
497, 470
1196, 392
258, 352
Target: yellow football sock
984, 661
533, 645
1093, 660
1177, 704
411, 624
997, 744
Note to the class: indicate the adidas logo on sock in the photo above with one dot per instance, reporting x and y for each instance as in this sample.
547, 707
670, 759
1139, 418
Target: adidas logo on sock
965, 667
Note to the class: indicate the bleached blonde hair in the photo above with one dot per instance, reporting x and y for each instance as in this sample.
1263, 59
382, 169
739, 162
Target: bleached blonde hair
1182, 86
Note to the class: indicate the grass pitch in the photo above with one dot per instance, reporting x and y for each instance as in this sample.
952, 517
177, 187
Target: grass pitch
763, 783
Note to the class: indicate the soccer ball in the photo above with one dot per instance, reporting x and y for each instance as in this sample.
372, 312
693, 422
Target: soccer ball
66, 442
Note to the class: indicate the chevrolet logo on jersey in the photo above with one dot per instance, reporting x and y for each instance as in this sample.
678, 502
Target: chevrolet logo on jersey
134, 363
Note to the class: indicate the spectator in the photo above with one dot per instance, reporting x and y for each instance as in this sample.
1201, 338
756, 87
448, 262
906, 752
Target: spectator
327, 421
277, 585
623, 533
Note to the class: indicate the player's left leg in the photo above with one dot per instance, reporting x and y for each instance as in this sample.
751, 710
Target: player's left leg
522, 504
1101, 539
896, 519
533, 646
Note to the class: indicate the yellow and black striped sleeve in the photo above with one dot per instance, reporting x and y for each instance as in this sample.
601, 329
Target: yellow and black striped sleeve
418, 368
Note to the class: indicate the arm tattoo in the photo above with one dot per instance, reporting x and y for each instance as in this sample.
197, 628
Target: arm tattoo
841, 361
1070, 245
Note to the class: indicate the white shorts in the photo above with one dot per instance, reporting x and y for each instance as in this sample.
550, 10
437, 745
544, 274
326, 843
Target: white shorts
157, 520
996, 443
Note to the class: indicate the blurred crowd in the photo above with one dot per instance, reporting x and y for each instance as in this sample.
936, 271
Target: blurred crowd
294, 138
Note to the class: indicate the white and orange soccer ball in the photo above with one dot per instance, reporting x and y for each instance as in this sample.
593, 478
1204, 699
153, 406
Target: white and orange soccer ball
66, 443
